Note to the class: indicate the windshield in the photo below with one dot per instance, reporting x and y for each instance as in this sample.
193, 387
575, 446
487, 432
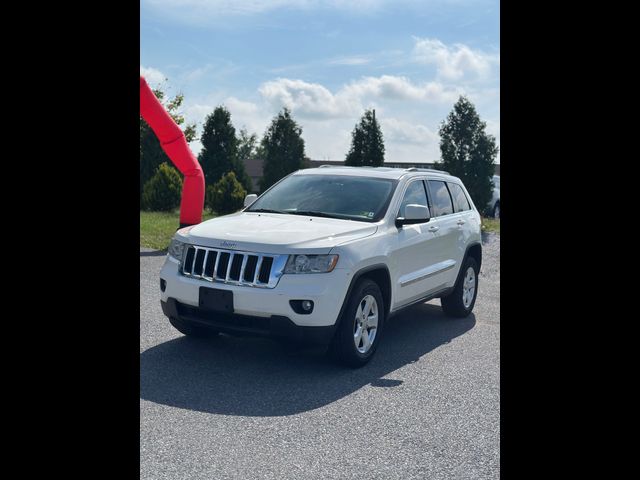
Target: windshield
335, 196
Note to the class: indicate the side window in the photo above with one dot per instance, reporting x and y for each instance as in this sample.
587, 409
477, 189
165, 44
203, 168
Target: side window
460, 201
441, 199
415, 194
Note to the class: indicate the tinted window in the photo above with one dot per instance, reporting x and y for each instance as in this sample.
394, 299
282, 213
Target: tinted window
441, 200
415, 194
338, 196
460, 201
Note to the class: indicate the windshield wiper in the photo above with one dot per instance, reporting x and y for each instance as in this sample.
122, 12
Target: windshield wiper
311, 213
267, 210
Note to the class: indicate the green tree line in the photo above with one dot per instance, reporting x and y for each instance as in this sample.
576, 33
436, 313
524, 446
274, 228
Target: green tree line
467, 151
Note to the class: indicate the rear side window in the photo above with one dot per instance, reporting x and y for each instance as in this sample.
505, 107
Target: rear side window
441, 199
460, 201
415, 194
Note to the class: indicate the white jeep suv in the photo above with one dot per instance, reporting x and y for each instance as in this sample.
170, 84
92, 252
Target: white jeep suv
327, 255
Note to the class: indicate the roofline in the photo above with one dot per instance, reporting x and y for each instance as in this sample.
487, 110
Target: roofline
401, 172
410, 169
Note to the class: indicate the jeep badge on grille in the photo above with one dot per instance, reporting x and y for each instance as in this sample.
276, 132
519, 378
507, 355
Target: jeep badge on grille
228, 245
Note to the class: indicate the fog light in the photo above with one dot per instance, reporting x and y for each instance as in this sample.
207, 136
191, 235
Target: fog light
302, 307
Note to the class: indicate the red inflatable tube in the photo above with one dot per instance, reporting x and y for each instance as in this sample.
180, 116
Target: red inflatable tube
175, 146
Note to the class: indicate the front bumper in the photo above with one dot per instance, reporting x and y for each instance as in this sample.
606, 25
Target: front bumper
326, 290
275, 326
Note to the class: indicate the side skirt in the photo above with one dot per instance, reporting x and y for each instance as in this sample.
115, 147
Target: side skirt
426, 298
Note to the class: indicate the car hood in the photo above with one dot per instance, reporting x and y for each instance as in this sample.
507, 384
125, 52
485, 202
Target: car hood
277, 233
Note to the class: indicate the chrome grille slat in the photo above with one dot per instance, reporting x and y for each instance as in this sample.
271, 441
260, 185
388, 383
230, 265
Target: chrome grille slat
258, 267
229, 264
215, 267
244, 265
204, 264
191, 266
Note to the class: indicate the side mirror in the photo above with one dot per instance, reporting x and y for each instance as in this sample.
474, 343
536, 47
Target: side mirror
249, 199
414, 214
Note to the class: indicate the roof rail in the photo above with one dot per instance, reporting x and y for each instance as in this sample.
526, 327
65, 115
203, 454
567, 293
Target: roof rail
415, 169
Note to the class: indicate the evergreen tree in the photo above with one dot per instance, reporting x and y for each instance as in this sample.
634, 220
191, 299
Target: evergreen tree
247, 150
219, 154
282, 148
163, 191
467, 151
367, 144
226, 196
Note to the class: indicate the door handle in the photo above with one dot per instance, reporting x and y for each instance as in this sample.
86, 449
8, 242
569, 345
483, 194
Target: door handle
433, 228
460, 222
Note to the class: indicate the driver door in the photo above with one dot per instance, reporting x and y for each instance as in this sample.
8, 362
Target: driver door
412, 253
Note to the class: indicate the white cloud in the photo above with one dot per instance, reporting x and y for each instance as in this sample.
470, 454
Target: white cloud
197, 112
240, 107
310, 100
315, 101
453, 62
350, 61
243, 115
400, 131
400, 88
152, 75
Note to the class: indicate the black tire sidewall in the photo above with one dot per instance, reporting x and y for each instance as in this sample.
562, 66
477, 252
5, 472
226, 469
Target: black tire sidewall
469, 262
344, 346
453, 304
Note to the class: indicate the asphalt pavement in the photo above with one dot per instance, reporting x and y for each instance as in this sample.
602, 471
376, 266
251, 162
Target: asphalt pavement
426, 407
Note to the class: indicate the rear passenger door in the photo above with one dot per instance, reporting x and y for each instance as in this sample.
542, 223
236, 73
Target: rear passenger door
449, 230
464, 217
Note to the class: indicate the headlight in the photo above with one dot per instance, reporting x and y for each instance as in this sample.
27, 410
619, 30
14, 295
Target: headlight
311, 263
176, 249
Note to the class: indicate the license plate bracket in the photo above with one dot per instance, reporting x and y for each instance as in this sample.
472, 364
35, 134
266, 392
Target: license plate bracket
216, 300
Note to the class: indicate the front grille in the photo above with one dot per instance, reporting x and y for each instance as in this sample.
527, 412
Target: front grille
232, 267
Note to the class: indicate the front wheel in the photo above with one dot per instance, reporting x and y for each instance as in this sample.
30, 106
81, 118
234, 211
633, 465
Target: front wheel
360, 327
460, 302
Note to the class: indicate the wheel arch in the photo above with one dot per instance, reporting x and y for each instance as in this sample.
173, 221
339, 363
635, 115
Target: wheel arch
379, 273
474, 250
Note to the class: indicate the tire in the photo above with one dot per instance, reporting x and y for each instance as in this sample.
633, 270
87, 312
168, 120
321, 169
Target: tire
458, 303
496, 210
191, 330
365, 296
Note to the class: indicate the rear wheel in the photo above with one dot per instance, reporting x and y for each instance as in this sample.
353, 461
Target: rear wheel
460, 302
358, 333
192, 330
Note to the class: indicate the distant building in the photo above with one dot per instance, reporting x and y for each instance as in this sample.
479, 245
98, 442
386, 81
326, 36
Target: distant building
254, 168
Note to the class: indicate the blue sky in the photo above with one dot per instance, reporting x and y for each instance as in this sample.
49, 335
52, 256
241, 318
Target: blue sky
328, 60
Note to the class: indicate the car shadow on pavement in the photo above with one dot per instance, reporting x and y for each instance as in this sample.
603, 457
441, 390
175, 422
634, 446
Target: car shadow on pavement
258, 377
